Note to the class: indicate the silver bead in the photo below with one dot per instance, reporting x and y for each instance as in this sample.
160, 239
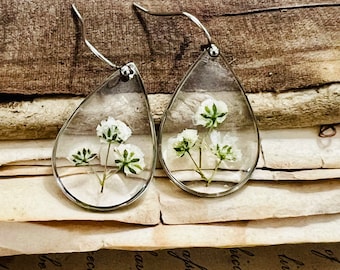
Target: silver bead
127, 72
213, 50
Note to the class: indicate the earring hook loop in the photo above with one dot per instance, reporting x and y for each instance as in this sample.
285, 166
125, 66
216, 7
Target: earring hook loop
88, 44
213, 49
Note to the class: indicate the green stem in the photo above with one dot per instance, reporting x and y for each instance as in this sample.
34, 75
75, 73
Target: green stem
105, 176
200, 155
198, 169
201, 144
214, 172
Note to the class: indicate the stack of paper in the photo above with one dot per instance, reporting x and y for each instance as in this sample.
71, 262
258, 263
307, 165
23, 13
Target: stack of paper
292, 197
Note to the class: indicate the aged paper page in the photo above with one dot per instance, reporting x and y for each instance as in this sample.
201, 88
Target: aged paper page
79, 236
321, 256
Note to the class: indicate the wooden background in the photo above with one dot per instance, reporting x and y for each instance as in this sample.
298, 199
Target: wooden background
271, 49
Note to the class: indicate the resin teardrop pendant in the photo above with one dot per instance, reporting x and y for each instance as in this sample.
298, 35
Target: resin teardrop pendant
104, 155
209, 143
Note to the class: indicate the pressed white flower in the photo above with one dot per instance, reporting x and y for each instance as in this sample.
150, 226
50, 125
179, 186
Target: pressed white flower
112, 130
222, 147
211, 113
130, 159
82, 157
184, 141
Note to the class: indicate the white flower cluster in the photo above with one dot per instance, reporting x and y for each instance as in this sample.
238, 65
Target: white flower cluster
210, 114
221, 147
128, 158
184, 141
112, 130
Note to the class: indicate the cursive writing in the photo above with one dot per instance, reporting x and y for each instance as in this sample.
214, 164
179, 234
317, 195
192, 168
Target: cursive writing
326, 254
139, 262
235, 255
153, 253
186, 258
45, 259
288, 262
90, 262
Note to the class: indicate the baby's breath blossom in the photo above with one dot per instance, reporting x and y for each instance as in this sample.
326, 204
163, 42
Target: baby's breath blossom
221, 147
130, 159
184, 141
211, 113
82, 157
112, 130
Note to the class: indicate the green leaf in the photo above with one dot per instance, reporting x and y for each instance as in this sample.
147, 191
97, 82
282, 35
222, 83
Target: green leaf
178, 149
92, 156
186, 143
125, 154
139, 167
206, 116
132, 170
209, 123
135, 160
207, 109
214, 109
131, 154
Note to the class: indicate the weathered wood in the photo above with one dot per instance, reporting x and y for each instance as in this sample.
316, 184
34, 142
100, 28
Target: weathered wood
41, 51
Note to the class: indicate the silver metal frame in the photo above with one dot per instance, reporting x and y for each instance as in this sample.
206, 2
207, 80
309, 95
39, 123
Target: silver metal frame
211, 48
88, 44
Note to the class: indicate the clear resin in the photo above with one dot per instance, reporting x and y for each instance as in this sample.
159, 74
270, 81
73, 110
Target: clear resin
209, 141
104, 156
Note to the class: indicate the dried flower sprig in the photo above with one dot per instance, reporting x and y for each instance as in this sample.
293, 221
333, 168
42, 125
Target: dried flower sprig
221, 147
129, 157
83, 157
111, 130
184, 143
210, 114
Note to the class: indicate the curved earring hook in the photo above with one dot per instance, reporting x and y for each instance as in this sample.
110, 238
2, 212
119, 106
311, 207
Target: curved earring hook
88, 44
212, 49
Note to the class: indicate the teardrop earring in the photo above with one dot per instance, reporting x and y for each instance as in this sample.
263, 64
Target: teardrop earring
103, 157
209, 141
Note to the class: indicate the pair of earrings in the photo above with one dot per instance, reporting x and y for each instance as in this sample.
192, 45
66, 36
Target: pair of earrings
104, 156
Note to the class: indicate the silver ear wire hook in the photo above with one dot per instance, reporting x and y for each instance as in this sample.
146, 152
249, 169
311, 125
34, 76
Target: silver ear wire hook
212, 48
88, 44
